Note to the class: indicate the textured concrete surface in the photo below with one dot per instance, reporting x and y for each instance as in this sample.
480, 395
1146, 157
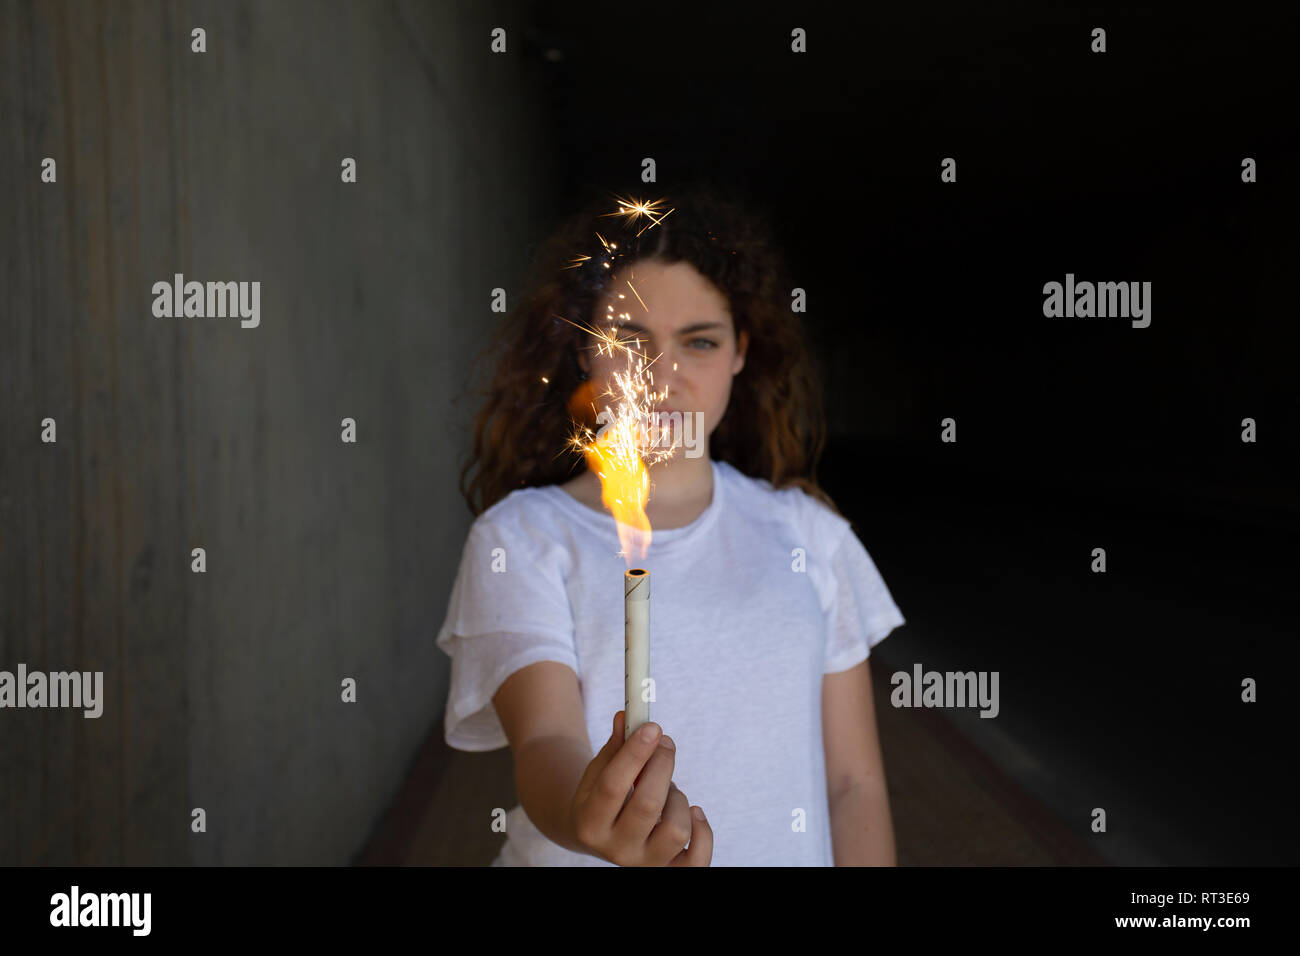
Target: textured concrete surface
325, 560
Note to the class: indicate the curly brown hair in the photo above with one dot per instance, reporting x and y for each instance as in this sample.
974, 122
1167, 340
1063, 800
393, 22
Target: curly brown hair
774, 427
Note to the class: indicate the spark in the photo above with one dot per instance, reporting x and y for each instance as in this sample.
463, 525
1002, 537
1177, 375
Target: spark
638, 296
633, 209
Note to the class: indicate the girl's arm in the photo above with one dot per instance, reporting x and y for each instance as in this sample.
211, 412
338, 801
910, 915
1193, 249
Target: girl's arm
862, 831
540, 709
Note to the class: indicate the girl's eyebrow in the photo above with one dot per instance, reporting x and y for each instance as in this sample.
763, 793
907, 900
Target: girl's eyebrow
697, 327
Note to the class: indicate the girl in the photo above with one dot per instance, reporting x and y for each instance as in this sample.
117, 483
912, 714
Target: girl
764, 603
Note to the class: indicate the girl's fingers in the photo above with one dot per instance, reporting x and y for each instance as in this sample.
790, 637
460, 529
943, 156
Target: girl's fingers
602, 757
650, 788
609, 779
673, 831
699, 852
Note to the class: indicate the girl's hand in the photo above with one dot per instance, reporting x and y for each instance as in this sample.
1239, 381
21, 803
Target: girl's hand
628, 811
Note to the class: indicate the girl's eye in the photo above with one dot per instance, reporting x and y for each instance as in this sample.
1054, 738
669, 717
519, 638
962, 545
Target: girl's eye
709, 342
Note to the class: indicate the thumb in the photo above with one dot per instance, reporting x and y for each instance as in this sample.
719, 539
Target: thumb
603, 756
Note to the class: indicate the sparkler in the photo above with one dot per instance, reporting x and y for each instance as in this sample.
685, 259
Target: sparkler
626, 443
618, 456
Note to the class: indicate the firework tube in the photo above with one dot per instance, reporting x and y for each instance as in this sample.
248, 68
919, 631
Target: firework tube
636, 648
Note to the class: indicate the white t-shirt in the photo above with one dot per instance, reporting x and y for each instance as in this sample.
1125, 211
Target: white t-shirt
740, 639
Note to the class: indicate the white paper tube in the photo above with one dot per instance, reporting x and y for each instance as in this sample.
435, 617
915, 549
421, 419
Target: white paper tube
636, 648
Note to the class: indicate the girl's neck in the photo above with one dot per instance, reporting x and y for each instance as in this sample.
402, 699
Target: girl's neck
680, 485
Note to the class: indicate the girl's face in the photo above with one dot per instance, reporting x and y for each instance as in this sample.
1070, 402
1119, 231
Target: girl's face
685, 320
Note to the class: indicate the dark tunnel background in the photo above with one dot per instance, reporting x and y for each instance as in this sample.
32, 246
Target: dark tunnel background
1121, 689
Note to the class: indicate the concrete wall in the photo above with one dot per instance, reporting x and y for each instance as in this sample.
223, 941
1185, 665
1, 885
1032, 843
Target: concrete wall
325, 560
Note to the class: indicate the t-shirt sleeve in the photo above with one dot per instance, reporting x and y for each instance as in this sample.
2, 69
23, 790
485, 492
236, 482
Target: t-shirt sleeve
509, 608
862, 611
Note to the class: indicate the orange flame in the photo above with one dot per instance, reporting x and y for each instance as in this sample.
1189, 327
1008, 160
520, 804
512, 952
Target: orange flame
624, 485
